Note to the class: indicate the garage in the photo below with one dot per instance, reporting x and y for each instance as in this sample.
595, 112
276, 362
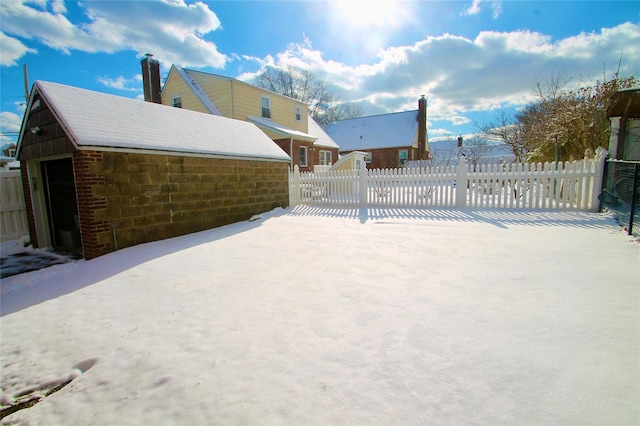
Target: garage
102, 172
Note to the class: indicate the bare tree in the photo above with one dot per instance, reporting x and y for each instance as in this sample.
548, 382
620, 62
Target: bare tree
302, 84
476, 148
561, 124
506, 129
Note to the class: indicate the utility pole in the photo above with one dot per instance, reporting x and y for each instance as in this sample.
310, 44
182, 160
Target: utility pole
26, 83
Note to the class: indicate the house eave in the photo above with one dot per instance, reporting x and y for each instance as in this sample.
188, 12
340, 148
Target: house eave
224, 156
34, 91
281, 129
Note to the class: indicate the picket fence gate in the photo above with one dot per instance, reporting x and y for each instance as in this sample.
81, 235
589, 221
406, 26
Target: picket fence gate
569, 185
13, 213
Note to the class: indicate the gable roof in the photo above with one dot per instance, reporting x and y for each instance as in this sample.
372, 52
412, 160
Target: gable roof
280, 129
324, 140
190, 74
99, 121
377, 131
195, 87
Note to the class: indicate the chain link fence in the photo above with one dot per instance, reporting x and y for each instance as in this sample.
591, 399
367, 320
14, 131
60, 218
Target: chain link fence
621, 193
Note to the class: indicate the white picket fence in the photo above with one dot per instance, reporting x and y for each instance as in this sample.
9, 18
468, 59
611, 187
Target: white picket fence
13, 213
571, 185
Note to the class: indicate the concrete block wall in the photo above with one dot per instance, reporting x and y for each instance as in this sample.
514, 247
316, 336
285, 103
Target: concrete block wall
126, 199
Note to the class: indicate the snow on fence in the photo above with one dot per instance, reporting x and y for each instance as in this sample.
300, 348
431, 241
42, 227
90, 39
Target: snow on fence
13, 213
570, 185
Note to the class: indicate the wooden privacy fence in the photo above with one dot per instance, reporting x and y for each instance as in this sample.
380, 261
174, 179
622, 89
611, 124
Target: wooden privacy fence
13, 213
569, 185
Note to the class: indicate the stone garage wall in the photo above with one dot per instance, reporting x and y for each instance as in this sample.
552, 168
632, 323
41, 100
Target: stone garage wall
126, 199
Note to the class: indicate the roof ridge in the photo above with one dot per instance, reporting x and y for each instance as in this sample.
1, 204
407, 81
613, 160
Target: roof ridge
378, 115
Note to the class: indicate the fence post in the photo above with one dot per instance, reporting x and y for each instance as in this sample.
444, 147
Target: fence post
362, 177
634, 189
601, 156
461, 183
294, 200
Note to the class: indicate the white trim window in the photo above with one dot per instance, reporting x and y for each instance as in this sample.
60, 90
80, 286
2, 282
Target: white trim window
403, 156
298, 113
303, 156
176, 100
265, 106
325, 158
367, 158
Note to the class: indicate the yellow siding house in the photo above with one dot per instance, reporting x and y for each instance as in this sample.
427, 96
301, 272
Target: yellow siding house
285, 120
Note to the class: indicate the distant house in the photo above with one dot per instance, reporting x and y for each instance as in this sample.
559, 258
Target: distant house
285, 120
8, 150
390, 140
624, 116
102, 172
7, 155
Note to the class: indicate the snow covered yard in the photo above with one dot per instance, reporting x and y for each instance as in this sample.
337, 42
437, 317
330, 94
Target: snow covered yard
327, 316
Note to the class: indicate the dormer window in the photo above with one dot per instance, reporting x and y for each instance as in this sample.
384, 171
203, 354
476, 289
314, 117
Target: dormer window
265, 103
298, 113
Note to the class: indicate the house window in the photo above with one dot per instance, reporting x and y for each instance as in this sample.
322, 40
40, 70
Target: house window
303, 156
403, 155
35, 105
325, 158
298, 113
266, 106
367, 158
12, 152
177, 101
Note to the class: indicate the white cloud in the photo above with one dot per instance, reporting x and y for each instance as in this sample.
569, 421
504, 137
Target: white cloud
171, 29
477, 5
10, 122
122, 83
12, 50
57, 6
459, 75
9, 126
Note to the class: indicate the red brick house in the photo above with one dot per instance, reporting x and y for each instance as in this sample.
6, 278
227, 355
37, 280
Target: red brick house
102, 172
390, 140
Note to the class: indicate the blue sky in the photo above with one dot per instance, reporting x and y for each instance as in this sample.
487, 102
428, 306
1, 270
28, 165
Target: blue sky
467, 57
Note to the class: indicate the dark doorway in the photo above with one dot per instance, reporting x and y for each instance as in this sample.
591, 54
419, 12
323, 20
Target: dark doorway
62, 207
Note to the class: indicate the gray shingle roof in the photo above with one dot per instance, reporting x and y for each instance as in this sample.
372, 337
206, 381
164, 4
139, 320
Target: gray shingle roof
376, 131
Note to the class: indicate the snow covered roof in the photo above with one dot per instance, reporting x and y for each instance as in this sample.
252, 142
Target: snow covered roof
281, 128
197, 90
324, 139
96, 120
377, 131
4, 159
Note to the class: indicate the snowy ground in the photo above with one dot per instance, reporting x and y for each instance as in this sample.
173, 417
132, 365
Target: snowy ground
325, 316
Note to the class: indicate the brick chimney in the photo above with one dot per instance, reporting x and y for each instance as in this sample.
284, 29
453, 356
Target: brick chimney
151, 79
423, 153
